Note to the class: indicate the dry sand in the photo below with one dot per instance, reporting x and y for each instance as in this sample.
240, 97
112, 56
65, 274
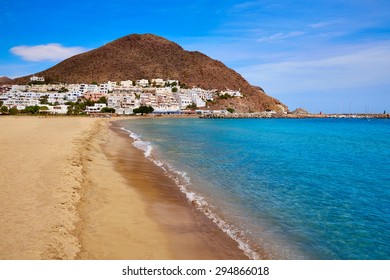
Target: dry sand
40, 176
72, 188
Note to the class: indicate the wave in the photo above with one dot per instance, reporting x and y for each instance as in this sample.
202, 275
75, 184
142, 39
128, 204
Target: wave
139, 144
183, 182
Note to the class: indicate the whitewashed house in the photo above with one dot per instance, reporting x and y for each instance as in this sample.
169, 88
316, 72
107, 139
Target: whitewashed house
37, 79
126, 84
158, 82
142, 83
73, 96
61, 98
184, 100
95, 108
199, 102
232, 93
58, 109
163, 90
105, 88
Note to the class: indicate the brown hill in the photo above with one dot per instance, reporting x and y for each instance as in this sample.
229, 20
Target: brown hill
4, 80
148, 56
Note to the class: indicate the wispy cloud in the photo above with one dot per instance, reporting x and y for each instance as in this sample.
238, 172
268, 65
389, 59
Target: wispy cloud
281, 36
49, 52
358, 68
246, 5
320, 24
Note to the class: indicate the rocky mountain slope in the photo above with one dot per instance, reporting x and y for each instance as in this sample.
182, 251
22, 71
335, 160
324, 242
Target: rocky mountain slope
4, 80
148, 56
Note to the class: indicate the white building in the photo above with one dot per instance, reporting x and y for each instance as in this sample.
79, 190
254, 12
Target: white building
92, 88
127, 83
123, 103
112, 84
60, 98
58, 109
163, 90
39, 88
142, 83
95, 108
184, 100
232, 93
173, 82
88, 88
158, 82
73, 96
17, 88
82, 88
199, 102
37, 79
105, 88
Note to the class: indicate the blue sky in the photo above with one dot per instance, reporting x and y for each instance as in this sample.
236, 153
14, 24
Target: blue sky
330, 56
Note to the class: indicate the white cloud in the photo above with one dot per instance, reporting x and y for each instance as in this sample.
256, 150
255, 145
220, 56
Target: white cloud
49, 52
281, 36
368, 67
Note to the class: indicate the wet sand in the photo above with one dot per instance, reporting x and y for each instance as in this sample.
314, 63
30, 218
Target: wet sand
76, 188
191, 235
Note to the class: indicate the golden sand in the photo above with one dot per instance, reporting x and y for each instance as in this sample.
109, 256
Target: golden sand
41, 175
72, 188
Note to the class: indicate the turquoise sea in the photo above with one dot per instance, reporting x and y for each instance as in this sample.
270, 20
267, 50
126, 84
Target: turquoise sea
297, 189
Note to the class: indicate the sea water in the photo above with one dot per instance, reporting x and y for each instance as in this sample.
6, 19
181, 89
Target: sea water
292, 188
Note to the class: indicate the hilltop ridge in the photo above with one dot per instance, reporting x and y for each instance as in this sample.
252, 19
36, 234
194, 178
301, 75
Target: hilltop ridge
5, 79
149, 56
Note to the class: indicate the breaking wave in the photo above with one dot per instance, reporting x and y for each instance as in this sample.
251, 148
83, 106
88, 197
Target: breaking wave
183, 182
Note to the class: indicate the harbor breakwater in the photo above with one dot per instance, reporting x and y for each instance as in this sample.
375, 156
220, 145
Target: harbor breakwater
267, 115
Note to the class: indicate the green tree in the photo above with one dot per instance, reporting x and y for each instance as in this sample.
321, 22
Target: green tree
102, 99
63, 89
230, 110
1, 103
4, 109
174, 89
225, 96
13, 111
43, 99
31, 110
192, 106
183, 85
143, 110
107, 110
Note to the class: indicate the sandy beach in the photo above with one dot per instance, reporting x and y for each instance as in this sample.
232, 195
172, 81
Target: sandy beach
75, 188
41, 175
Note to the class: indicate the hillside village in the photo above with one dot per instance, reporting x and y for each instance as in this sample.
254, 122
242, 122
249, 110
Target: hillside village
164, 96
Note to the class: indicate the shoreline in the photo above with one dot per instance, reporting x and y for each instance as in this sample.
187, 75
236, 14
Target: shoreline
82, 191
113, 222
191, 235
129, 209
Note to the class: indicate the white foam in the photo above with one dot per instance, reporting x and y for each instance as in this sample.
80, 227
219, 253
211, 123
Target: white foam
144, 146
183, 182
139, 143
